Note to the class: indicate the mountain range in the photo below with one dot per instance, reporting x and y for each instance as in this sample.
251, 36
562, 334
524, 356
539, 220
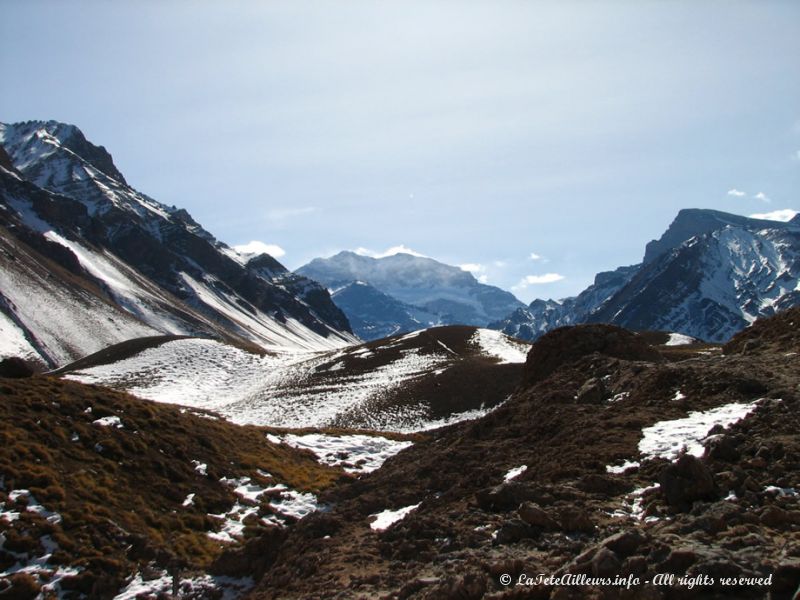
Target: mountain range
88, 261
710, 275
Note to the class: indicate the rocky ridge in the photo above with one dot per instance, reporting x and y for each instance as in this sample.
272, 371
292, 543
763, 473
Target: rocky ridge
126, 266
709, 276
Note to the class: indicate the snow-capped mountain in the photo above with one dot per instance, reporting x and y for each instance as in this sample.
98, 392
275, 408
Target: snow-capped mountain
709, 276
88, 261
451, 295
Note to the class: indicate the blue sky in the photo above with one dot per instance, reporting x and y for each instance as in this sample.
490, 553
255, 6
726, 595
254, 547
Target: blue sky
537, 142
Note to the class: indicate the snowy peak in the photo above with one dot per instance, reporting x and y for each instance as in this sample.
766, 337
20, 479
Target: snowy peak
32, 141
692, 222
405, 269
709, 276
66, 202
431, 291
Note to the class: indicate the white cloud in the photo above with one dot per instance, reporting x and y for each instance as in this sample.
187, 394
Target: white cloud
535, 256
401, 249
736, 193
500, 264
255, 247
472, 267
785, 214
477, 270
537, 280
763, 197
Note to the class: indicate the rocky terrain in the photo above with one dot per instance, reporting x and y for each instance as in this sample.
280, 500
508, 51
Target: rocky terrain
101, 491
613, 458
620, 456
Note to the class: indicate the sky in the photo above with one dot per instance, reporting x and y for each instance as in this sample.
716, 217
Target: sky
534, 143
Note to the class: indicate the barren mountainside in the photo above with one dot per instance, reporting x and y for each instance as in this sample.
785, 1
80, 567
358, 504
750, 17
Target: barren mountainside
79, 242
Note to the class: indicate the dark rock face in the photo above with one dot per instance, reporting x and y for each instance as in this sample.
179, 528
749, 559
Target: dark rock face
374, 315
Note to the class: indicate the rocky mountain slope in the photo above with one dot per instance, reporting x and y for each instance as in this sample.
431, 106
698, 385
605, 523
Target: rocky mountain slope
103, 494
451, 295
87, 261
612, 460
412, 382
374, 315
709, 276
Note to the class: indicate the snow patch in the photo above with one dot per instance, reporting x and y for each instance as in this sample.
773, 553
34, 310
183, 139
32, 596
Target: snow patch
387, 518
514, 473
287, 503
500, 346
666, 439
356, 453
112, 421
618, 469
679, 339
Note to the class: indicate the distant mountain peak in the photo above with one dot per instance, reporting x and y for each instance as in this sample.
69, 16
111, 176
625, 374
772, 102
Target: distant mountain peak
422, 290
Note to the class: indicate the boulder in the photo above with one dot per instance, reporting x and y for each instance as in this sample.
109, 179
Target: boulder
536, 516
685, 481
573, 518
605, 563
592, 392
624, 543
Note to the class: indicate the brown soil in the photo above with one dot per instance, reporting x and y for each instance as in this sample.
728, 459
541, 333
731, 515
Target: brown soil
120, 491
583, 408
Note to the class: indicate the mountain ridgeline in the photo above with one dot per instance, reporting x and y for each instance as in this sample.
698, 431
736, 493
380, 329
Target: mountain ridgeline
416, 292
710, 275
88, 261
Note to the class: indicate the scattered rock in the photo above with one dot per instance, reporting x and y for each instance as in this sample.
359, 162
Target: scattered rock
722, 447
624, 543
685, 481
786, 578
605, 563
536, 516
471, 586
679, 560
574, 518
504, 497
513, 531
592, 392
776, 517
